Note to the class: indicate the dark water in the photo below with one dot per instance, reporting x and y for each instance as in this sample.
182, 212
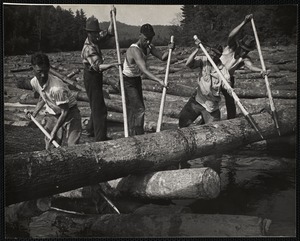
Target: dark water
257, 180
253, 183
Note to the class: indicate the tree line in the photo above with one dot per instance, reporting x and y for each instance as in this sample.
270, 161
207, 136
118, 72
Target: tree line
275, 24
30, 28
33, 28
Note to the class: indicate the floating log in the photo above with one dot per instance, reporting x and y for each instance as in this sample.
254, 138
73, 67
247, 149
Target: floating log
194, 183
173, 88
260, 93
21, 69
43, 173
50, 223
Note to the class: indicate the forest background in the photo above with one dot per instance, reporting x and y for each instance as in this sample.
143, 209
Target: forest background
30, 28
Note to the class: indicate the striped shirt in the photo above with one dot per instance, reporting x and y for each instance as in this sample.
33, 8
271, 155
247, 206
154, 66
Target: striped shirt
54, 93
91, 53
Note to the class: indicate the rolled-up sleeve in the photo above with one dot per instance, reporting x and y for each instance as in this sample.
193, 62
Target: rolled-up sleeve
91, 55
60, 95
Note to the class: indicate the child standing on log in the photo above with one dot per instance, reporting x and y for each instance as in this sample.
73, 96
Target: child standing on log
134, 66
234, 56
93, 76
62, 113
205, 101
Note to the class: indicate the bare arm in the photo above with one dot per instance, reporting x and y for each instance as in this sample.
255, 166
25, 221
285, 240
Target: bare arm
158, 54
248, 63
236, 30
139, 60
37, 108
103, 67
110, 29
191, 60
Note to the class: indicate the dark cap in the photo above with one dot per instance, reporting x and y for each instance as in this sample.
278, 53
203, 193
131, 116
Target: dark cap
247, 43
92, 24
147, 30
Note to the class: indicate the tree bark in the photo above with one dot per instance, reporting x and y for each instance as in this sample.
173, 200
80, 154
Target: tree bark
43, 173
195, 183
53, 224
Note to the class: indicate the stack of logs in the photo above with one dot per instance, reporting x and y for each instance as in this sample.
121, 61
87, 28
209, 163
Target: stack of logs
41, 185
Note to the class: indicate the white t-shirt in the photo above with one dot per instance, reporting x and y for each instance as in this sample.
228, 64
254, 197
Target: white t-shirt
55, 92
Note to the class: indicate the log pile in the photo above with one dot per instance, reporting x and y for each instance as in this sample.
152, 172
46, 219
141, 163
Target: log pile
82, 165
182, 80
137, 167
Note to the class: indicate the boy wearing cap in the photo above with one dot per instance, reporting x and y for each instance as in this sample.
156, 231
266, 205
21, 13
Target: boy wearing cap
235, 56
93, 76
61, 106
134, 66
205, 101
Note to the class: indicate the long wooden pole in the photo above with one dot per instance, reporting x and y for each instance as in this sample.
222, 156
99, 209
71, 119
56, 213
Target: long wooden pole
274, 113
43, 130
163, 98
235, 97
121, 76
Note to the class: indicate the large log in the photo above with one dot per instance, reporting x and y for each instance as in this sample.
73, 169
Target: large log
261, 93
43, 173
195, 183
173, 88
53, 224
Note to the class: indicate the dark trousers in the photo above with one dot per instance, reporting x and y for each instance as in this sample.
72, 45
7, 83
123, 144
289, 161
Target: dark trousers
229, 101
192, 110
134, 105
93, 82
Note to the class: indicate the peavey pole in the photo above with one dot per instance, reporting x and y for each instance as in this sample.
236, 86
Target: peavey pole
121, 76
42, 129
235, 97
163, 98
274, 113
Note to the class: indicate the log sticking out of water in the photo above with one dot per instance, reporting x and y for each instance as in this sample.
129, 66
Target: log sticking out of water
32, 175
196, 183
55, 224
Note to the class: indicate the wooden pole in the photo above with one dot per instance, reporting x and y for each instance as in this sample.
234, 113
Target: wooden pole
235, 97
274, 113
31, 175
163, 98
43, 130
121, 76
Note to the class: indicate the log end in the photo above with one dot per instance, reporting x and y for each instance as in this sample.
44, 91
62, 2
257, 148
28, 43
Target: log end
211, 183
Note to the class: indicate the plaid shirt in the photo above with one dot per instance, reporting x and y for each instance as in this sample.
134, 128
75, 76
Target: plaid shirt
91, 53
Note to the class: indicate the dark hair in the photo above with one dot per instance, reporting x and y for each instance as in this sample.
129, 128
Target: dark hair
40, 59
147, 30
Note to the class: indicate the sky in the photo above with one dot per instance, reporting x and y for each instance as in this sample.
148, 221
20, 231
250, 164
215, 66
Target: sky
131, 14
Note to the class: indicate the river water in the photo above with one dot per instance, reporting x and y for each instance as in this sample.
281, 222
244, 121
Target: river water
257, 180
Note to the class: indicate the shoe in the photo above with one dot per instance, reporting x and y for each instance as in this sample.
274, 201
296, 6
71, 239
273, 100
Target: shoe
88, 134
